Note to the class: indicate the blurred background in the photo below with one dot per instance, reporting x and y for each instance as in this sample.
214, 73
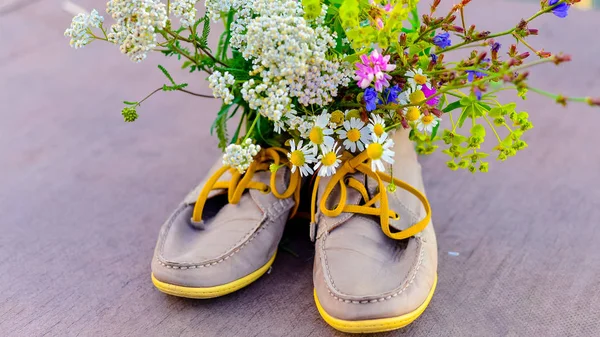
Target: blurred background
83, 195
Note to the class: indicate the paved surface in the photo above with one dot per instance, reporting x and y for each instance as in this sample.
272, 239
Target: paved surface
82, 196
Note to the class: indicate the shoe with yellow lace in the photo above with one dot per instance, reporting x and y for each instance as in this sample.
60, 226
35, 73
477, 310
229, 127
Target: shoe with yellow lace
375, 266
225, 233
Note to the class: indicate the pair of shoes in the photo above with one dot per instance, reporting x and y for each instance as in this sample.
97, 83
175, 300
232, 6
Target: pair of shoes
375, 266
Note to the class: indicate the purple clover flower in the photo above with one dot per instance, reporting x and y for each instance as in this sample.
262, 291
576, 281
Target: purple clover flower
370, 98
561, 10
442, 40
373, 68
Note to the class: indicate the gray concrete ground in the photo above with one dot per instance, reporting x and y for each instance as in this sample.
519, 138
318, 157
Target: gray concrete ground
82, 197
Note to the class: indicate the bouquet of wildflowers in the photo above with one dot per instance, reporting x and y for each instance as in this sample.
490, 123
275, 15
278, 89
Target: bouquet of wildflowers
319, 78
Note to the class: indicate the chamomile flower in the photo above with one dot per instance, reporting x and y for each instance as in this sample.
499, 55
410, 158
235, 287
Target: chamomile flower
300, 156
320, 134
412, 113
416, 79
379, 152
377, 125
328, 160
355, 134
427, 122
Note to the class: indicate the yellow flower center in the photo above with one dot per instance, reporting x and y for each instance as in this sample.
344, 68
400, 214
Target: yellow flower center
416, 97
329, 159
375, 151
353, 135
427, 119
297, 158
337, 117
420, 79
316, 135
412, 114
378, 130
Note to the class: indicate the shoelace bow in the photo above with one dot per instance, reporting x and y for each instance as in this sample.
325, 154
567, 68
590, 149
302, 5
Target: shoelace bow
361, 163
241, 182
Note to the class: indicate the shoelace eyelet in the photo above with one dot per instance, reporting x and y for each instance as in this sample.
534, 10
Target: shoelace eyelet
266, 190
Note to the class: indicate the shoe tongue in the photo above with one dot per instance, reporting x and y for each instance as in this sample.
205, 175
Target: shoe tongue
353, 197
400, 201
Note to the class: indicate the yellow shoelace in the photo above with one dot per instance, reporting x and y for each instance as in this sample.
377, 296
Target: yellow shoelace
241, 182
361, 163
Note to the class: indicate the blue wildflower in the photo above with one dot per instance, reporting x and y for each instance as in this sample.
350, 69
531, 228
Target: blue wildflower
496, 47
442, 40
561, 10
471, 74
370, 97
478, 94
434, 57
391, 94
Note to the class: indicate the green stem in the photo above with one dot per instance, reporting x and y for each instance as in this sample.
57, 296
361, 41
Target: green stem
251, 128
493, 128
554, 96
506, 32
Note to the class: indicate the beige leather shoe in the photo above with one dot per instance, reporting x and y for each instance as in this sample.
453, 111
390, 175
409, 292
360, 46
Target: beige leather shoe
219, 239
366, 281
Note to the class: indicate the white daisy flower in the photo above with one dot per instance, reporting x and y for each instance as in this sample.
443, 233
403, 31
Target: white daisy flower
416, 79
320, 134
427, 122
355, 134
300, 156
328, 160
379, 152
377, 125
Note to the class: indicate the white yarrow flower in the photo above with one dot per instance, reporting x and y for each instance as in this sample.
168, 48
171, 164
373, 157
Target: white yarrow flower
300, 156
240, 156
379, 152
220, 83
136, 25
355, 134
328, 160
80, 29
185, 10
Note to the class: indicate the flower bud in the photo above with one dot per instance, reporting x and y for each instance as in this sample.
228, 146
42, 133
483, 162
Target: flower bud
558, 59
402, 39
544, 54
523, 55
593, 101
532, 31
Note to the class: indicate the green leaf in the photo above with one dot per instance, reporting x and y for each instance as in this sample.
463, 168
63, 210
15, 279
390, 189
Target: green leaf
496, 112
435, 130
166, 74
478, 130
452, 106
130, 103
467, 112
220, 125
465, 101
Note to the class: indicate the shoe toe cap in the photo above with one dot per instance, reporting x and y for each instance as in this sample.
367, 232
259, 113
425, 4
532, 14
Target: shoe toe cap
364, 275
226, 249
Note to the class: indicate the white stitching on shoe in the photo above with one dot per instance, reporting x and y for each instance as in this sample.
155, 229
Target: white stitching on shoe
271, 218
415, 269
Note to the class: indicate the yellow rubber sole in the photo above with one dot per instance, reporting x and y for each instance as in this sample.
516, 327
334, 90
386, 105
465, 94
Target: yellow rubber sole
375, 325
212, 292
